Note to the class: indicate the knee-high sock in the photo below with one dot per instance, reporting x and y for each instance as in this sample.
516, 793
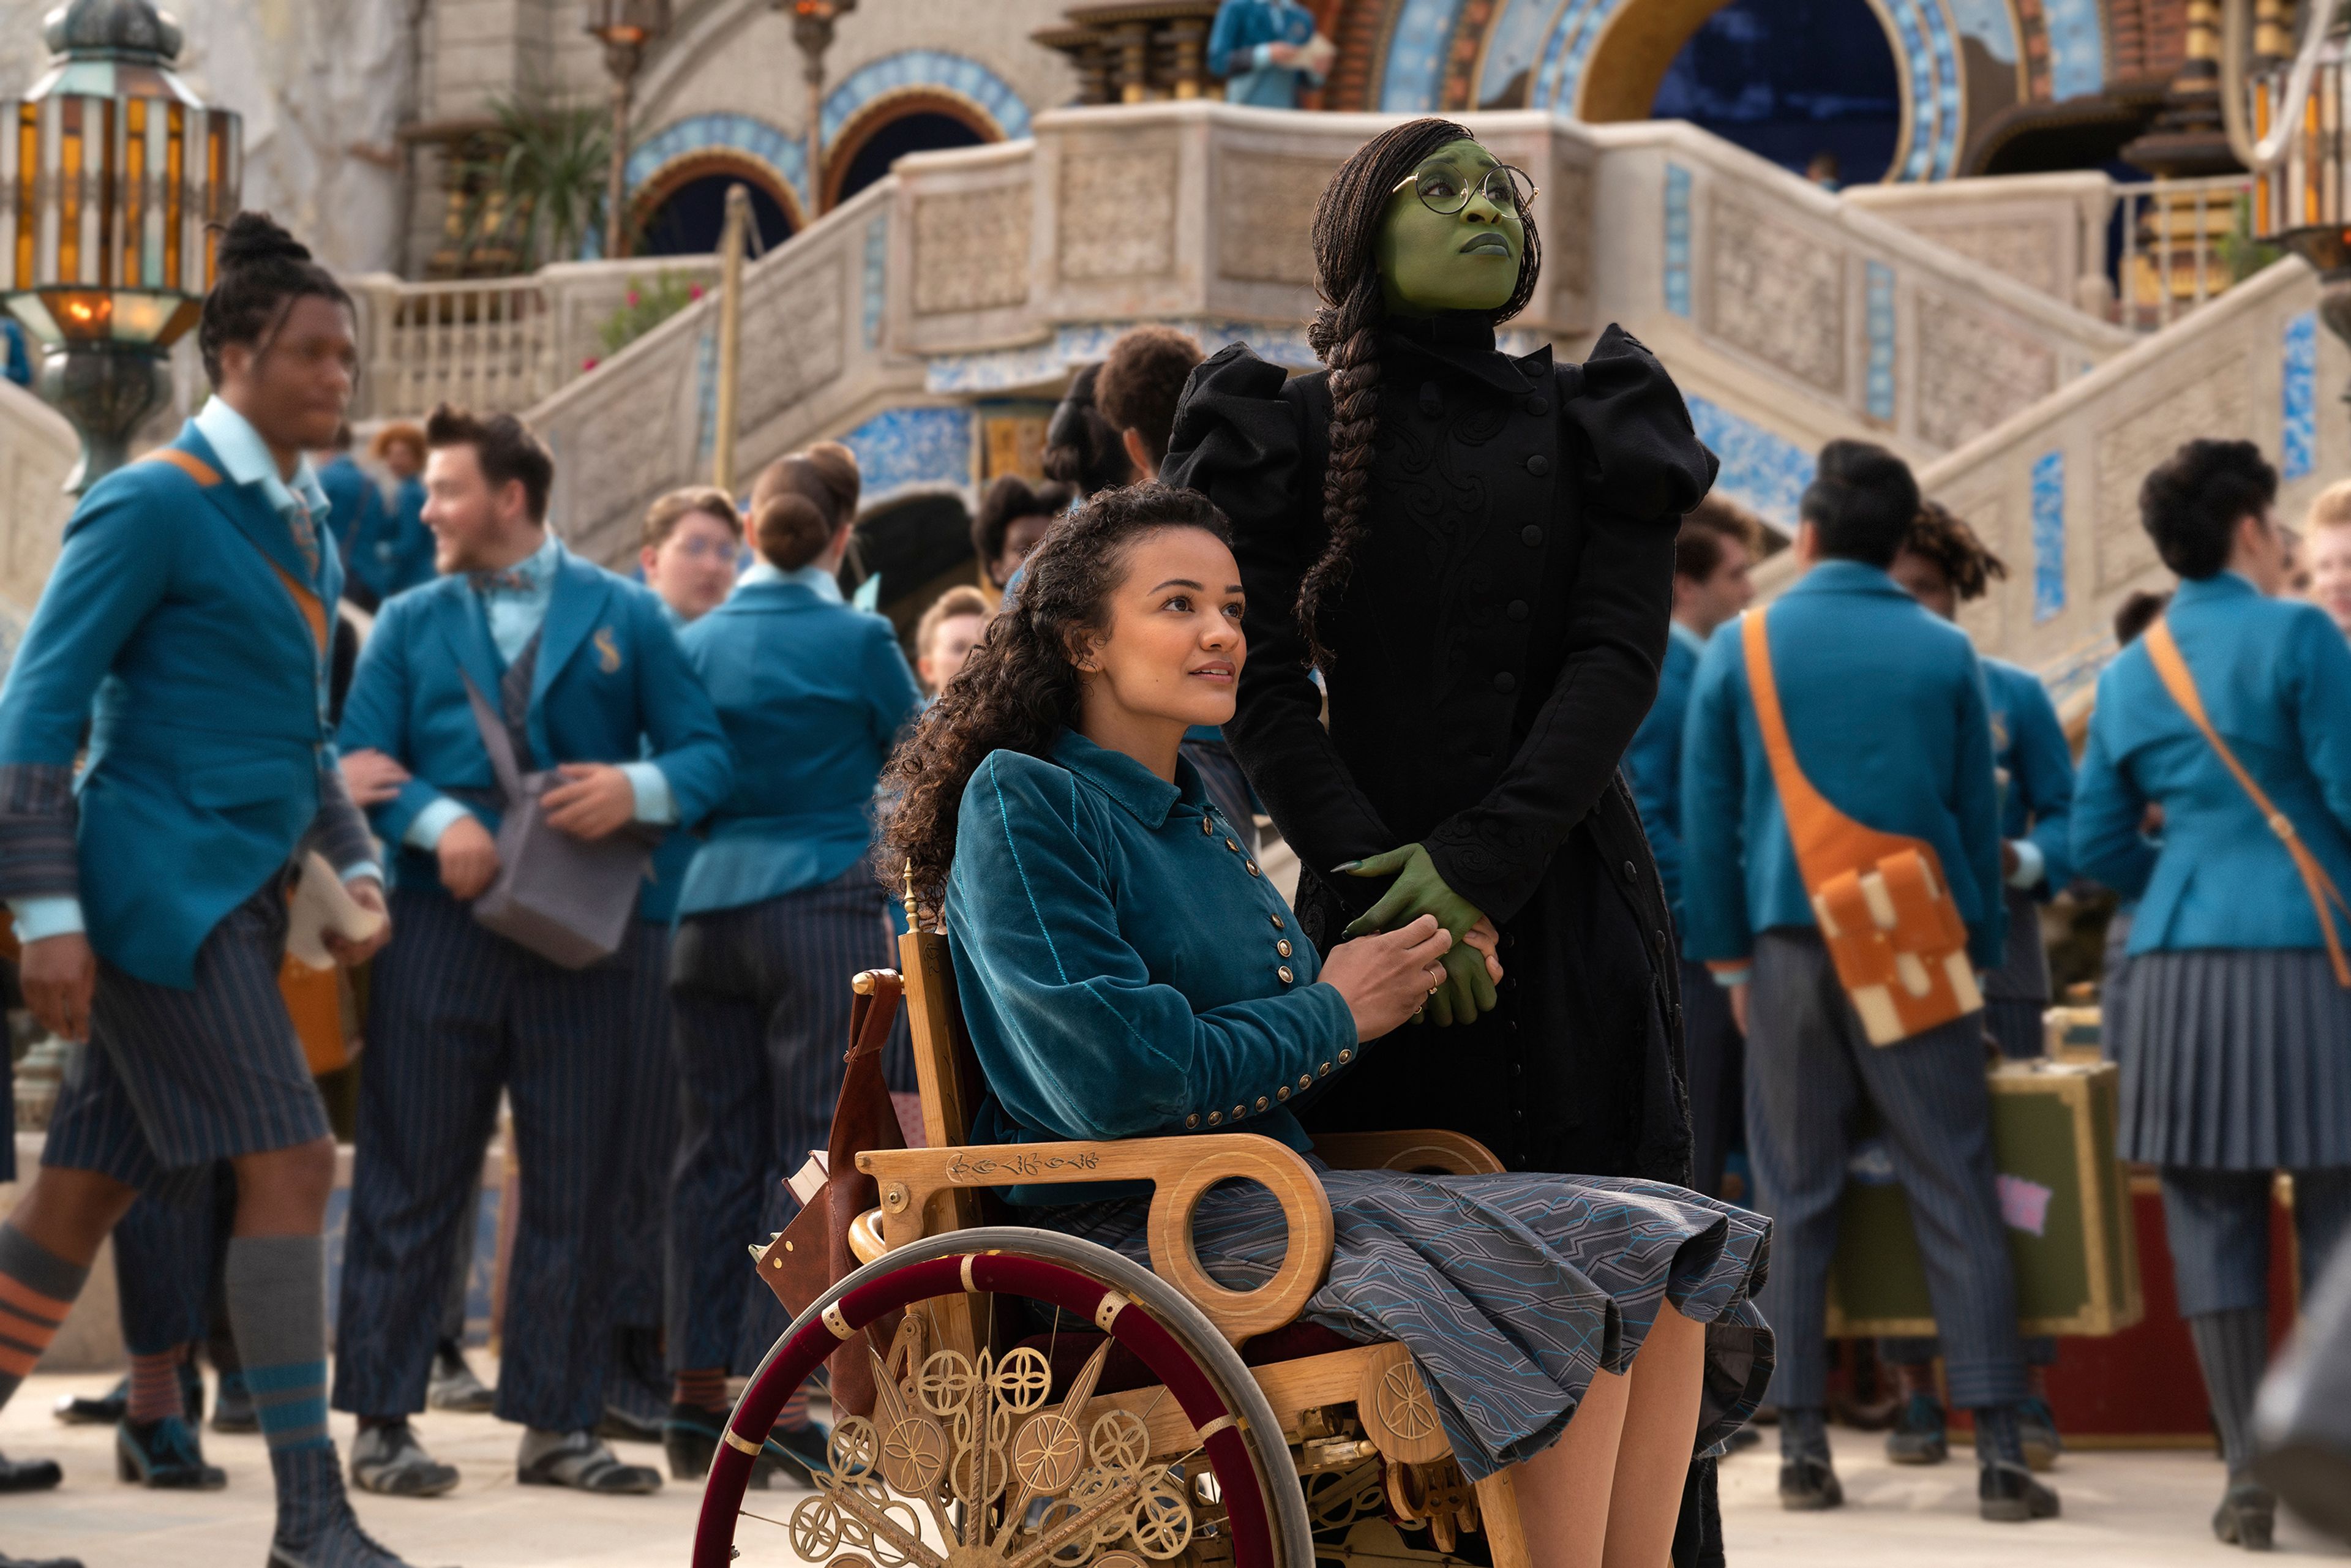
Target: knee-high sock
2233, 1347
277, 1288
37, 1287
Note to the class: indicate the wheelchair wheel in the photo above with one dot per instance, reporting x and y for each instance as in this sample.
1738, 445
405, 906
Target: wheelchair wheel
972, 1463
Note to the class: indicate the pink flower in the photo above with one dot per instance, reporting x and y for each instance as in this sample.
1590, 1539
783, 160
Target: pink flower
632, 298
694, 292
590, 363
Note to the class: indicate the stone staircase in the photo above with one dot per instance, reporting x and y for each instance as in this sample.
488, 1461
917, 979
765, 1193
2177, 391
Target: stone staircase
1948, 322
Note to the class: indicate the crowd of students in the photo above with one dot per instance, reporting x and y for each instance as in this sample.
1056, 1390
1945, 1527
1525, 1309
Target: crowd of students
2213, 796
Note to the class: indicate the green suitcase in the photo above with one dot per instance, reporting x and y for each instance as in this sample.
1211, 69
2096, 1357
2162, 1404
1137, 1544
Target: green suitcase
2064, 1193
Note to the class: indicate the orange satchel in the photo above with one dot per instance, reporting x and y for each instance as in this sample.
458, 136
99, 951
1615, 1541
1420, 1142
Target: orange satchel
1895, 937
2325, 897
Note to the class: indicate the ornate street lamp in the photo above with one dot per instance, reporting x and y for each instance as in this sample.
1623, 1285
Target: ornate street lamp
626, 28
812, 25
111, 168
2287, 121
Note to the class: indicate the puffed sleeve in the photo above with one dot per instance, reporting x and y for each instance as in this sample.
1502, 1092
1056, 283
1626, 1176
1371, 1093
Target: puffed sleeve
1242, 438
1644, 460
1073, 1034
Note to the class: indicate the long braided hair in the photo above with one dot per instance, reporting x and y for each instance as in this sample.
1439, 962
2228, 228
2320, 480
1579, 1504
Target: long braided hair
1346, 333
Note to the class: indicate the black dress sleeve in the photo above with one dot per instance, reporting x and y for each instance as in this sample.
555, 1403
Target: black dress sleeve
1643, 466
1252, 440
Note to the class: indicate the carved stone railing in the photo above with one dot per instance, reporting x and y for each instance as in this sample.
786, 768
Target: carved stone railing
38, 449
814, 364
2046, 231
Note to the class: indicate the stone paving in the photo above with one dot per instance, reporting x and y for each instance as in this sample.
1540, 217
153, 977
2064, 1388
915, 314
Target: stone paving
2122, 1510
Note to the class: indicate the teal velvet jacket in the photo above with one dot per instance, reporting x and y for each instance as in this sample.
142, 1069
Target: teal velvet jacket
2275, 678
1125, 970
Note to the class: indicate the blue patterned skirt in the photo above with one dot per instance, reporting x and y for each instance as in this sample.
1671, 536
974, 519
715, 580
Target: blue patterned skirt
1510, 1290
2235, 1059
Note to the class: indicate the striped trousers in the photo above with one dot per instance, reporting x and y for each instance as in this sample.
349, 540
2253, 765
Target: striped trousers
760, 997
1811, 1071
456, 1015
649, 1134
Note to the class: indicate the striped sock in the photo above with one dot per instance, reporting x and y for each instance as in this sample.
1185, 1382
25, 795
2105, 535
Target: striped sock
704, 1388
276, 1289
794, 1417
156, 1390
2233, 1347
36, 1288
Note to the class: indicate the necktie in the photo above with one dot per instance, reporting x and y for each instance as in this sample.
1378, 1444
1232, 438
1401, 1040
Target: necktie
513, 580
305, 536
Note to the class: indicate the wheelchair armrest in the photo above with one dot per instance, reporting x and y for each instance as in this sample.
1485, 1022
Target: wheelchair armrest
1422, 1149
1180, 1170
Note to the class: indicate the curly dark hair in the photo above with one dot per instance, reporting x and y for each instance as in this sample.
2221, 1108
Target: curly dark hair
1346, 333
1020, 688
1965, 561
1081, 445
259, 271
2191, 501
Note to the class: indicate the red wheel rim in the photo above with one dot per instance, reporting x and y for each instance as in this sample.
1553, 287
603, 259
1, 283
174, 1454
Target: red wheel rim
788, 1365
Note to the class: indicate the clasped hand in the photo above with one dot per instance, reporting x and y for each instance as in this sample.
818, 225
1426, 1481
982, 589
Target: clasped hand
1472, 968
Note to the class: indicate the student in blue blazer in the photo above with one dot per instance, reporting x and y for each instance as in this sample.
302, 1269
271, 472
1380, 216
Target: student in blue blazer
2236, 1047
184, 640
392, 550
1885, 708
1712, 554
354, 505
589, 679
780, 907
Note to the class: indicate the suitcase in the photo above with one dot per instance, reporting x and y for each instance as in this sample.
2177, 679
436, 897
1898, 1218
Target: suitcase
2065, 1196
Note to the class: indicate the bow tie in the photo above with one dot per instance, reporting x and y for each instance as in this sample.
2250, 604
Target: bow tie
513, 580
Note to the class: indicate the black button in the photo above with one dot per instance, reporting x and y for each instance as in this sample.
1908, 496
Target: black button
1539, 465
1531, 536
1632, 873
1505, 682
1518, 609
1432, 402
1538, 406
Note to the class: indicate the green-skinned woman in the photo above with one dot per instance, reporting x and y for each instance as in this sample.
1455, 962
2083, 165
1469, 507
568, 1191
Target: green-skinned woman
1475, 551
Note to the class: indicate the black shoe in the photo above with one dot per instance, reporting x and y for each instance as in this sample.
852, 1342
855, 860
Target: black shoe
104, 1410
389, 1461
164, 1455
621, 1426
28, 1475
2036, 1428
2007, 1494
337, 1543
8, 1561
2247, 1516
1919, 1436
1808, 1485
581, 1460
454, 1386
233, 1405
690, 1436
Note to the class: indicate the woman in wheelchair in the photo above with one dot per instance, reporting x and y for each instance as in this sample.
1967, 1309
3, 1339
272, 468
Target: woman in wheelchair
1125, 969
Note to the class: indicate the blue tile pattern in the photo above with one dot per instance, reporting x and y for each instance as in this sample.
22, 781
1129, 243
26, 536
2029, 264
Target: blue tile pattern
1760, 469
2077, 48
937, 70
2298, 435
901, 448
2048, 535
1926, 50
780, 150
1413, 71
875, 282
1880, 293
1677, 240
706, 397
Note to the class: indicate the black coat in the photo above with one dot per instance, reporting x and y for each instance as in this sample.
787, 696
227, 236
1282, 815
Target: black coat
1497, 645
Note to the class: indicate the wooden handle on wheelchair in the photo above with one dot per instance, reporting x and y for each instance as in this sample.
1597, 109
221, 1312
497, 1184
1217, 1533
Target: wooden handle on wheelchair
1181, 1171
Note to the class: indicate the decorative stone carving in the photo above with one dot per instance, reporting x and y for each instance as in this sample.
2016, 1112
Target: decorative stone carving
2027, 250
1777, 292
1265, 216
617, 449
1567, 233
1992, 519
2209, 399
792, 332
971, 250
1974, 371
1118, 209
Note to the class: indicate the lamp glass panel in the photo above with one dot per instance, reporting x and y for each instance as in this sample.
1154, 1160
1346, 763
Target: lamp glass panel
29, 309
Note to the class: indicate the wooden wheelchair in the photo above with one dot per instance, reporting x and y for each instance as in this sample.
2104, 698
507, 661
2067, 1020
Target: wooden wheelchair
1133, 1430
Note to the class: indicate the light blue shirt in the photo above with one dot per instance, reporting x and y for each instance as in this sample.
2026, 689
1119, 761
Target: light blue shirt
815, 578
515, 612
245, 459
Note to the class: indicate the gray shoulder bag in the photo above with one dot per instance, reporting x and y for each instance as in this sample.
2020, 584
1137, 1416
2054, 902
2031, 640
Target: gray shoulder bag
564, 898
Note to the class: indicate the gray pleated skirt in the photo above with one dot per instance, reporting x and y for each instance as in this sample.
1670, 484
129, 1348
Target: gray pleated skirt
2235, 1059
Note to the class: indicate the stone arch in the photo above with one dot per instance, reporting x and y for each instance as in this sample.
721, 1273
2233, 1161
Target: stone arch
705, 145
984, 99
893, 108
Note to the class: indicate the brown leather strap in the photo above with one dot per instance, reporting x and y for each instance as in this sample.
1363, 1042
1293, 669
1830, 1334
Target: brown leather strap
187, 463
313, 609
2325, 897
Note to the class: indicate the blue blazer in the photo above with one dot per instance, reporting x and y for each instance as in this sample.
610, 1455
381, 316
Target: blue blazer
2276, 677
1653, 763
393, 551
356, 506
610, 685
2035, 769
812, 694
1123, 972
168, 632
1886, 707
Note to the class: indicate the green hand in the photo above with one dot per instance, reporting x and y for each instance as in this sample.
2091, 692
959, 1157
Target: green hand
1419, 890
